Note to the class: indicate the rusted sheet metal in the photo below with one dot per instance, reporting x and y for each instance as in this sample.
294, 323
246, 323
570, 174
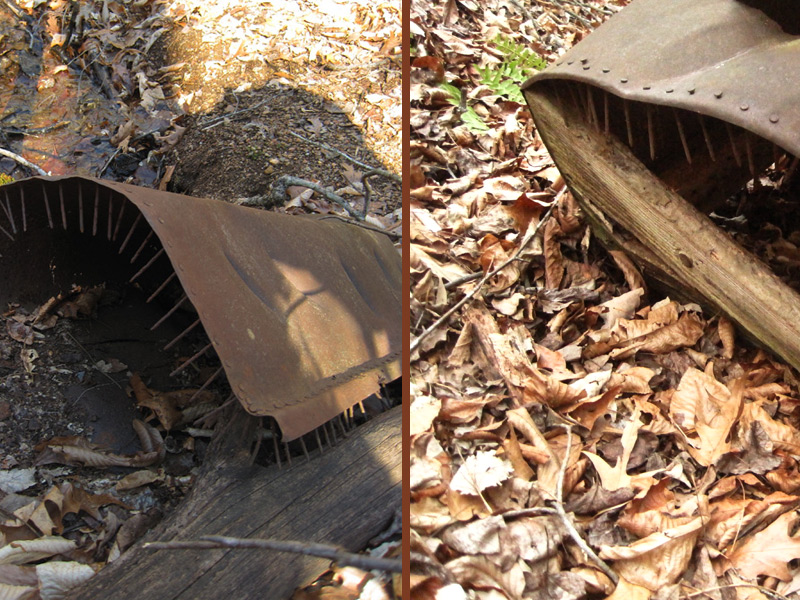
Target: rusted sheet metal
733, 60
304, 312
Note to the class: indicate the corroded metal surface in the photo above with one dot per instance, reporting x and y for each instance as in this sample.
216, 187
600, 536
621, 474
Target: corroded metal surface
303, 312
733, 60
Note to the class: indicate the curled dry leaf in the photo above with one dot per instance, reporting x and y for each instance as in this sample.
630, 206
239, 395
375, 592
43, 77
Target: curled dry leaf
727, 335
57, 578
27, 551
658, 559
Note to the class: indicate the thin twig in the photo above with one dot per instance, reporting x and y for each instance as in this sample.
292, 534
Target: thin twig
567, 521
339, 556
23, 161
280, 185
214, 121
761, 588
391, 234
383, 172
446, 316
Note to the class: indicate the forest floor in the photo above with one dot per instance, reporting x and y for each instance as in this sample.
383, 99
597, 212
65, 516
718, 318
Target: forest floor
574, 432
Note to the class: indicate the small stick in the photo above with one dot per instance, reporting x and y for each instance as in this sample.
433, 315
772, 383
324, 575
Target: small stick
382, 172
337, 555
24, 162
391, 234
446, 316
574, 533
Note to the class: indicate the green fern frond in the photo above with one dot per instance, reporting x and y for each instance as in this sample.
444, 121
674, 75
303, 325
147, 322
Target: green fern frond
519, 63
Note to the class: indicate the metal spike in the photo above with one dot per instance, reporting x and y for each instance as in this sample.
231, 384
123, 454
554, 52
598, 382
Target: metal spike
707, 138
119, 221
169, 313
776, 153
606, 119
319, 441
181, 335
288, 454
789, 175
735, 150
303, 446
10, 215
206, 384
275, 442
47, 205
750, 162
160, 288
342, 425
651, 134
327, 437
333, 432
96, 208
590, 107
22, 203
130, 232
682, 134
147, 266
63, 210
141, 247
575, 98
194, 357
627, 109
11, 237
110, 214
80, 207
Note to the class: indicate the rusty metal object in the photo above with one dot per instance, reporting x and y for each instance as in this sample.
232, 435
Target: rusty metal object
732, 60
304, 313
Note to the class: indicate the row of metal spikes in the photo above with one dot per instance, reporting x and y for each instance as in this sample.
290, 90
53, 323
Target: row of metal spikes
112, 232
582, 97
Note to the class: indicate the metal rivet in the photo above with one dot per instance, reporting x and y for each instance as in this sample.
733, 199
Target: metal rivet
718, 94
606, 70
692, 91
670, 90
584, 61
774, 118
647, 87
569, 62
586, 68
624, 80
744, 106
559, 63
161, 220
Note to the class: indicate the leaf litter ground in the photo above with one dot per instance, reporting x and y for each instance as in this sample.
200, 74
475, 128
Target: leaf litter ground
195, 97
576, 434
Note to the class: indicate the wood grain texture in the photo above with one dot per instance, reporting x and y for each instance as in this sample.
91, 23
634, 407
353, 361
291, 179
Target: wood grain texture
344, 497
633, 209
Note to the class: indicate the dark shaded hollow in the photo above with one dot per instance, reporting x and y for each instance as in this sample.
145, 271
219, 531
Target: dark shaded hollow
702, 158
79, 234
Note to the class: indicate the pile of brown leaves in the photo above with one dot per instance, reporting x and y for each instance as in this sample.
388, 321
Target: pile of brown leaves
574, 435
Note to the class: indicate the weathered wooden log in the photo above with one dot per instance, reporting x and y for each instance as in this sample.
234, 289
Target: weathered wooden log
343, 497
630, 207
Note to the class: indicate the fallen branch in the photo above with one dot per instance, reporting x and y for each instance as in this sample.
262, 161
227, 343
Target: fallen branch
446, 316
283, 182
333, 553
372, 170
23, 161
